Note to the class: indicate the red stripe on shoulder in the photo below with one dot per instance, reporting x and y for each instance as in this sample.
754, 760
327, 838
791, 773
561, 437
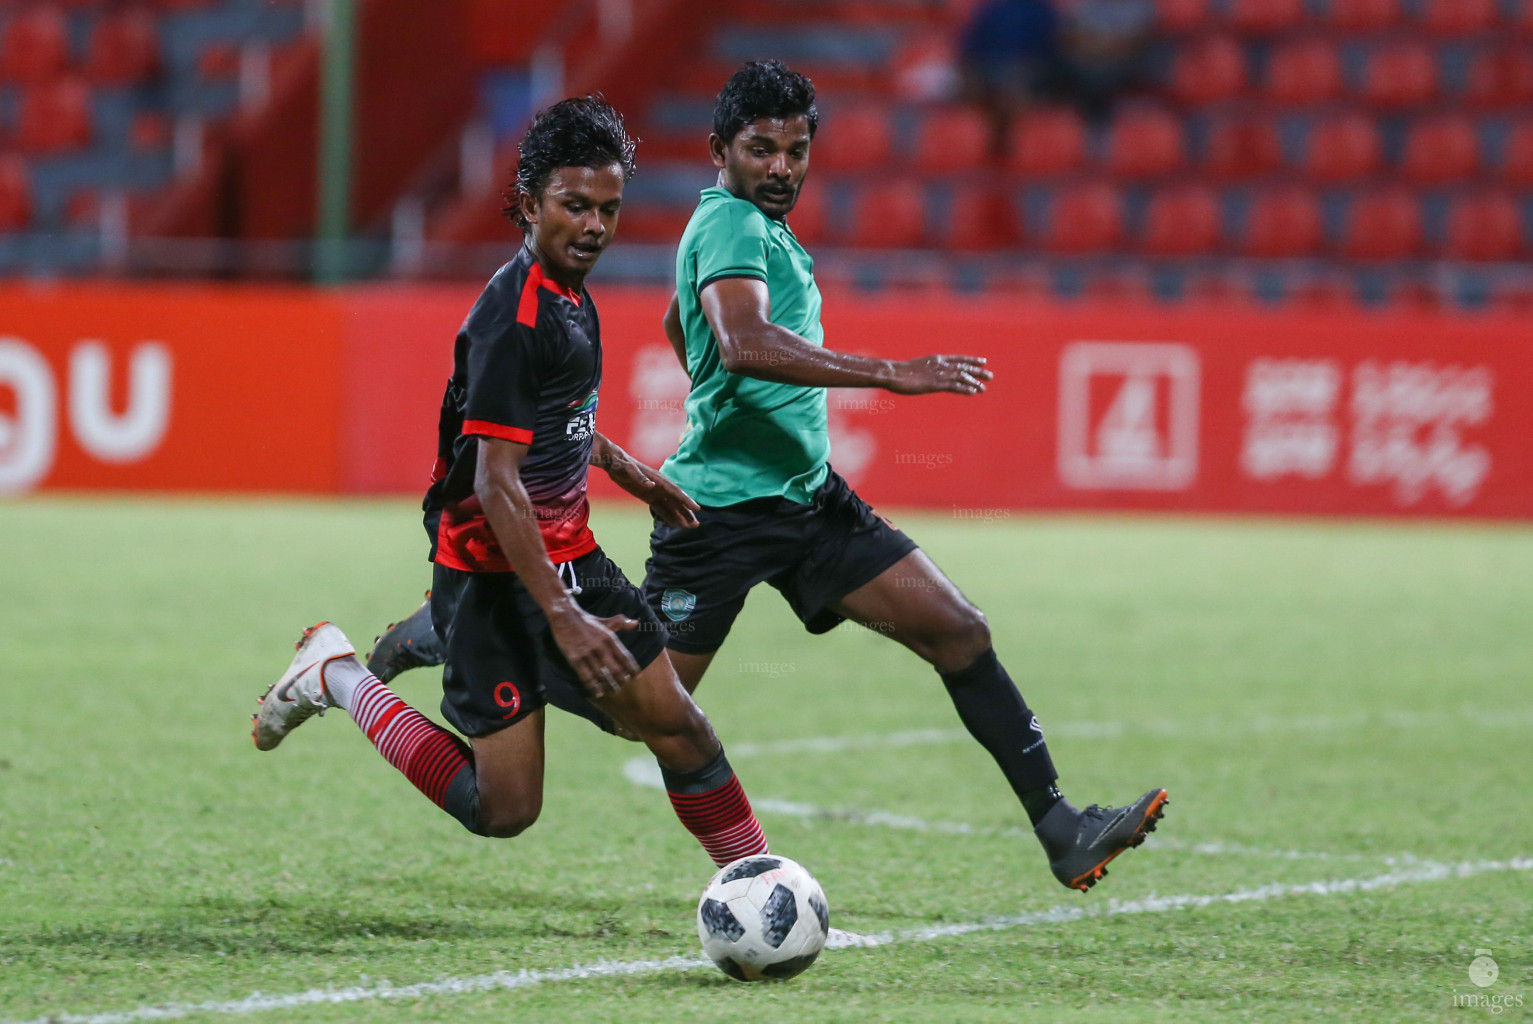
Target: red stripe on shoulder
485, 428
527, 308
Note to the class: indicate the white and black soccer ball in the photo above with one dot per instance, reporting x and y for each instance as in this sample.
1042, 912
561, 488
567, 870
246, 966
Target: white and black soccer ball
763, 917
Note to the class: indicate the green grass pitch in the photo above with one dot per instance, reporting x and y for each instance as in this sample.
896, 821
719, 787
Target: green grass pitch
1341, 712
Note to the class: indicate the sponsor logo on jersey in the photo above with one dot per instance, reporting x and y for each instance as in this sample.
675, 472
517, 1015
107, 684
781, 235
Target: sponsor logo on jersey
677, 604
582, 422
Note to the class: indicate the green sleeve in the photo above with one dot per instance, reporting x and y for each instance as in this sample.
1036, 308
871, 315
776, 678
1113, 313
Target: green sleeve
732, 242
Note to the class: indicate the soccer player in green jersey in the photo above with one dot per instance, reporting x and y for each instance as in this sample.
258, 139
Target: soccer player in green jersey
745, 323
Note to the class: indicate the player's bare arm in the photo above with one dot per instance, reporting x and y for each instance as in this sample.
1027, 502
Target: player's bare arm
739, 310
667, 502
674, 332
598, 658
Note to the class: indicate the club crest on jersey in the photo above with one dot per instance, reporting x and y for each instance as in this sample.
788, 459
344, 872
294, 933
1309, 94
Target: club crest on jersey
582, 422
677, 604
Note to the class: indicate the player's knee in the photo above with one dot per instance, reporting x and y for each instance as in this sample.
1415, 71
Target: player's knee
505, 820
964, 639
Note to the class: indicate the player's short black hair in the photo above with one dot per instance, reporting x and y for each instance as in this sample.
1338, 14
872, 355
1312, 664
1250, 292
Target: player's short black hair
763, 88
582, 131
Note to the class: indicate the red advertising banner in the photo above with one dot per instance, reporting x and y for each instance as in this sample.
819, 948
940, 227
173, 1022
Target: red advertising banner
1093, 407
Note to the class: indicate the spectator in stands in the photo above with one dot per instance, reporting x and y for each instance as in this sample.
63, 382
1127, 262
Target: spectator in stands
1009, 57
1105, 49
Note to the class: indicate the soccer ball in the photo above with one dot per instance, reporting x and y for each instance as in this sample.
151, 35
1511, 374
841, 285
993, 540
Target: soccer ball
762, 917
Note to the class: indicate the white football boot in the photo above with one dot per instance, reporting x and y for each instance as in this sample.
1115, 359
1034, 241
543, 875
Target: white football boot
300, 693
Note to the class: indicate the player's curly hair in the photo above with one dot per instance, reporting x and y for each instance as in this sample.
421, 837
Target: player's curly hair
763, 88
582, 131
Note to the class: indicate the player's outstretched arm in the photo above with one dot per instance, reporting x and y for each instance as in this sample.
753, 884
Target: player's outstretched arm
598, 658
739, 309
667, 502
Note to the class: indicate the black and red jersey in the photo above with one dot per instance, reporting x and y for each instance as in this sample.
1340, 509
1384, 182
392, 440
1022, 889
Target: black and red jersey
526, 368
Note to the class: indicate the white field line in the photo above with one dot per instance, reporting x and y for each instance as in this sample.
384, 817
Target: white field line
1212, 725
644, 772
1419, 873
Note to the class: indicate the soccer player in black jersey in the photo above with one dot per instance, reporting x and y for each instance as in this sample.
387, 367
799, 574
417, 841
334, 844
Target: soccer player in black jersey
523, 598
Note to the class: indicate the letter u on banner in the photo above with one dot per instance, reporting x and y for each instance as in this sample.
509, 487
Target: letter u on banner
28, 439
139, 430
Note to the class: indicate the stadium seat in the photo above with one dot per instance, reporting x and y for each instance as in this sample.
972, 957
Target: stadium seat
1266, 17
953, 139
1316, 292
1458, 17
889, 215
1182, 221
980, 219
1500, 79
1085, 218
851, 140
1304, 73
124, 48
55, 117
1283, 222
1211, 70
1240, 148
1047, 142
35, 47
1441, 150
1181, 15
1363, 15
1400, 75
1146, 142
1383, 225
1219, 287
1484, 228
1117, 285
15, 194
1517, 156
1524, 17
1343, 147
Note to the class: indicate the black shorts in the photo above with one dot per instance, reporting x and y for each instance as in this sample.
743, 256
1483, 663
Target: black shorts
814, 555
502, 661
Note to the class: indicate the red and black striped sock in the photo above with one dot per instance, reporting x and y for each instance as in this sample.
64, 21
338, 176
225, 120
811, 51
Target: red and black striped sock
434, 760
712, 805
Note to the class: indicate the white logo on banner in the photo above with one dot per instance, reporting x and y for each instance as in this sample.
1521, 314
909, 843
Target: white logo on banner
1406, 422
29, 436
1145, 435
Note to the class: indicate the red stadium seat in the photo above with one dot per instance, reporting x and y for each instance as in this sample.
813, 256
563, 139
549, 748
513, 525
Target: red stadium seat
1220, 287
1209, 71
1181, 15
1146, 143
15, 194
1304, 73
647, 222
1441, 150
1182, 221
1401, 75
1240, 148
124, 48
1322, 292
1383, 226
851, 140
889, 215
1047, 142
1283, 223
1517, 156
1484, 228
1363, 15
1124, 286
1344, 147
981, 219
1458, 17
808, 219
1500, 79
1525, 17
1266, 17
54, 117
1085, 218
953, 139
35, 47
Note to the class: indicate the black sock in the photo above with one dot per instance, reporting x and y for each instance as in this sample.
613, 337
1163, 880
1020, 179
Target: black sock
996, 715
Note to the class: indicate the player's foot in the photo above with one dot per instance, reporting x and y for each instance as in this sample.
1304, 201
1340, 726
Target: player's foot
409, 643
1080, 843
300, 693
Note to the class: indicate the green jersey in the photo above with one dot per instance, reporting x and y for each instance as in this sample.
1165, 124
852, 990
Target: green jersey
747, 438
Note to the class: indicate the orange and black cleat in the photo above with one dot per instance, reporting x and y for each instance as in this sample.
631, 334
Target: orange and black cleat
1080, 844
